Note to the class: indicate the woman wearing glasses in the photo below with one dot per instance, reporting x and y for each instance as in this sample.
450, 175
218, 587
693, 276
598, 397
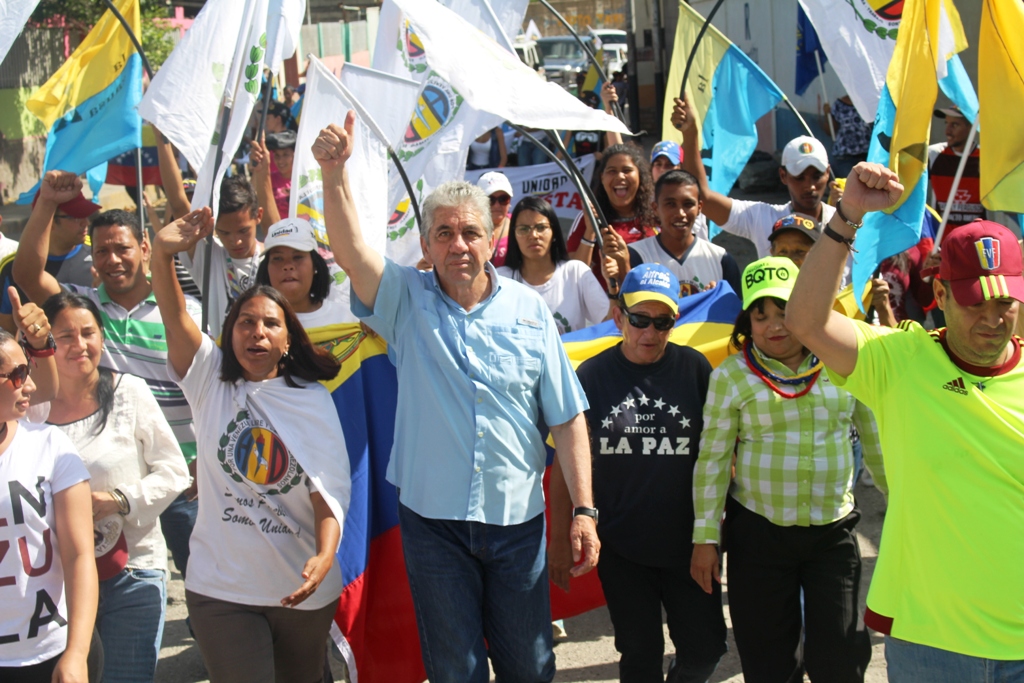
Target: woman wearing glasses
499, 191
790, 511
51, 594
537, 257
137, 470
624, 191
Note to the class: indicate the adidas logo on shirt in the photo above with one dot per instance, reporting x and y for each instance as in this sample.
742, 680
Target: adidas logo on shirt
956, 386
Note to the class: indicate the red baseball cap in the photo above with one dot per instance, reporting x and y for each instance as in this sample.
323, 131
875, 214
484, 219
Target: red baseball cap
982, 261
79, 207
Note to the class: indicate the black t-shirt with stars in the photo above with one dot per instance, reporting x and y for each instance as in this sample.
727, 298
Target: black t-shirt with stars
645, 424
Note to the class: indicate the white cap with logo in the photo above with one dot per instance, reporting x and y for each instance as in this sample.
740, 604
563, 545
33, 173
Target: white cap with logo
802, 152
495, 181
296, 233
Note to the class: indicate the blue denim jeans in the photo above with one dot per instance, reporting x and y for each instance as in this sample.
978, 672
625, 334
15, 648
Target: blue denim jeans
176, 522
472, 581
529, 154
912, 663
130, 620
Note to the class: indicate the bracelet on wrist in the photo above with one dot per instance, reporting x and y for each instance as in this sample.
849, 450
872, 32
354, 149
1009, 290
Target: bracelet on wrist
842, 216
833, 235
123, 506
45, 352
589, 243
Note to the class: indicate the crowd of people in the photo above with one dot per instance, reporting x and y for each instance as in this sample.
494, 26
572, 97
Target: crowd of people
123, 405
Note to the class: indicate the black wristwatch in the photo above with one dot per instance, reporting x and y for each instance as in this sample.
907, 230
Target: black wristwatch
586, 512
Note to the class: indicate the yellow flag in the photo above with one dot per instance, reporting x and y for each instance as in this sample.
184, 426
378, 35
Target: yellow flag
1001, 95
930, 33
93, 66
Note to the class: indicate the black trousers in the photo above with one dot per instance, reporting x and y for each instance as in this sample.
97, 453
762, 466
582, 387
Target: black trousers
768, 566
635, 594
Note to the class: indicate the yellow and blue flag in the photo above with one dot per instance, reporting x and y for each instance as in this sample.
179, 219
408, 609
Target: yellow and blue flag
1001, 82
925, 59
807, 44
88, 106
727, 92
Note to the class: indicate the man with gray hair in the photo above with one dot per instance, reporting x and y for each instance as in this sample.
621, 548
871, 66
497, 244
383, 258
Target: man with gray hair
480, 366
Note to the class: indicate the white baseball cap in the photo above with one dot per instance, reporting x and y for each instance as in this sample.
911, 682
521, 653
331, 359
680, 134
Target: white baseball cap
296, 233
802, 152
495, 181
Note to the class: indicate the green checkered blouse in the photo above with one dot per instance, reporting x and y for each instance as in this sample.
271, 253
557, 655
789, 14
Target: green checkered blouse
794, 459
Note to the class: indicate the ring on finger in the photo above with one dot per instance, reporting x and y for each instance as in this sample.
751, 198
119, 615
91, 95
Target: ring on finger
36, 327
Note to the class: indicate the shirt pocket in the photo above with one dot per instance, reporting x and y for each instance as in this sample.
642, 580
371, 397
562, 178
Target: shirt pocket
516, 355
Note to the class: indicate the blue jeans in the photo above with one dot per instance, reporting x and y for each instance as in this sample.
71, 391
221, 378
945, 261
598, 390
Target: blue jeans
177, 522
130, 620
529, 154
912, 663
472, 581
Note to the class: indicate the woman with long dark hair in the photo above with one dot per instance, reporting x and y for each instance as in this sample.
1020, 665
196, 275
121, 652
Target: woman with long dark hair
537, 257
137, 469
624, 190
51, 592
274, 478
794, 565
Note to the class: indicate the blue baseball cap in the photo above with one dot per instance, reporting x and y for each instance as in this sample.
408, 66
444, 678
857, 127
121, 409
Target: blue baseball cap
668, 149
651, 282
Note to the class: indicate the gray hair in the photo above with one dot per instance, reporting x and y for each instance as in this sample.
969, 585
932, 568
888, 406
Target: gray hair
454, 194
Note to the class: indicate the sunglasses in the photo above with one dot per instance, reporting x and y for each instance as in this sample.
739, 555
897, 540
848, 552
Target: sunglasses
539, 228
17, 376
500, 199
642, 322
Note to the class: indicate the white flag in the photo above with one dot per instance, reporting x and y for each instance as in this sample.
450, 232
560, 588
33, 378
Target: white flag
184, 100
381, 95
284, 19
532, 32
858, 41
243, 89
14, 15
492, 79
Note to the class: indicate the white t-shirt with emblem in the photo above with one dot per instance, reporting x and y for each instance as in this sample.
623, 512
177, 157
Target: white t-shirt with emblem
40, 461
229, 277
256, 529
573, 295
699, 266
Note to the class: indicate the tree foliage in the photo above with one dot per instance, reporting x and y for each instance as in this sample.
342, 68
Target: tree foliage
81, 15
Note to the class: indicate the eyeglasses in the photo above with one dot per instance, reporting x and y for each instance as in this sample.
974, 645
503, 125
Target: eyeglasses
500, 199
539, 228
642, 322
794, 222
17, 376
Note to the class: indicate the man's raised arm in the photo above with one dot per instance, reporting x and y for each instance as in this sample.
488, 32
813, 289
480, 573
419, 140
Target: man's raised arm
29, 268
717, 207
809, 315
361, 263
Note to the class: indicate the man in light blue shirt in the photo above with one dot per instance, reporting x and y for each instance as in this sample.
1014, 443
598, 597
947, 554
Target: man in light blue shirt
480, 369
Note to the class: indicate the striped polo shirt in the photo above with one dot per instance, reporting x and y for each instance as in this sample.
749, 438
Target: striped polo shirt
135, 343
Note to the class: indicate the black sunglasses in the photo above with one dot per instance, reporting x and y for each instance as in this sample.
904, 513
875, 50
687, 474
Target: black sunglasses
17, 376
642, 322
500, 199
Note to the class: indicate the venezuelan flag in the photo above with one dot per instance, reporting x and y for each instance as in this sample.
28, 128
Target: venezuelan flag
924, 59
728, 93
375, 617
1001, 82
88, 106
121, 169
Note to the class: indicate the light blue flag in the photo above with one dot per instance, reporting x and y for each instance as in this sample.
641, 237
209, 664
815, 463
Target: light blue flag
743, 93
885, 235
97, 129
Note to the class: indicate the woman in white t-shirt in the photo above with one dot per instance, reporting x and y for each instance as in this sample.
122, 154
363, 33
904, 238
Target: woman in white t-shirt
273, 478
537, 257
50, 598
137, 469
292, 265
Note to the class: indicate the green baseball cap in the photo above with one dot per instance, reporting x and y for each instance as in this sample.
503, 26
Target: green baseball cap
771, 276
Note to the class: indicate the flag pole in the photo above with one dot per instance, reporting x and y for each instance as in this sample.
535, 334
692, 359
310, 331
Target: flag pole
266, 108
225, 120
590, 56
149, 73
824, 94
379, 134
696, 44
968, 150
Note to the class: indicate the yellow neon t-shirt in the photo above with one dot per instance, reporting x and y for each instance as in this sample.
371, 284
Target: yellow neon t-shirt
950, 570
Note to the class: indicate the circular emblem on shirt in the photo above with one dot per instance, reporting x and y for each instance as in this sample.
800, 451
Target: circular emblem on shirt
251, 451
